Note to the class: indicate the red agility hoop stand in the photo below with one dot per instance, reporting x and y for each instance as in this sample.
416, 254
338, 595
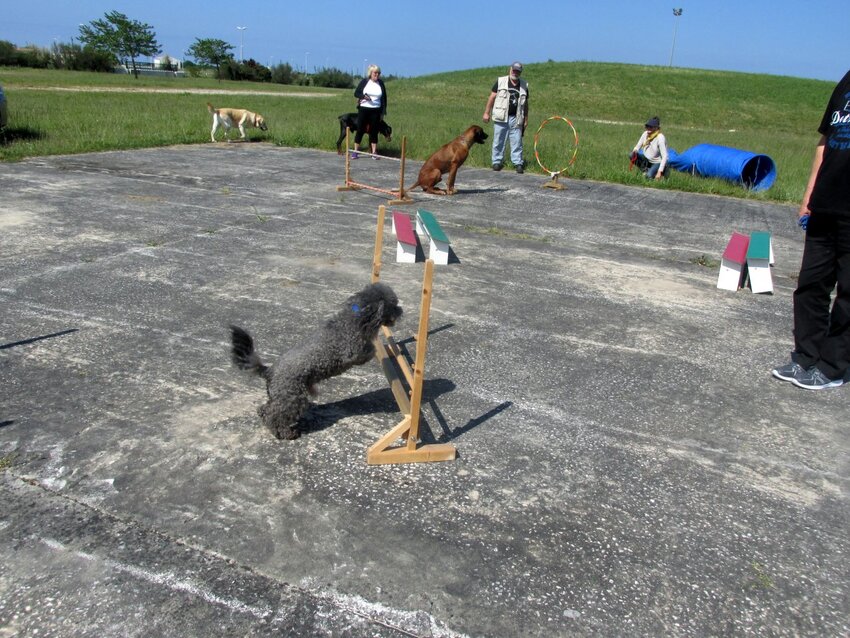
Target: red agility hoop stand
405, 384
553, 183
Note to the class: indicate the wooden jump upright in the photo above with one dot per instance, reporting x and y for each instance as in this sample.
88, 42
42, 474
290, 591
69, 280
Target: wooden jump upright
351, 185
405, 384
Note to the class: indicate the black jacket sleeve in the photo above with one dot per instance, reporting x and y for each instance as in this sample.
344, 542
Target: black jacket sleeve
384, 98
358, 92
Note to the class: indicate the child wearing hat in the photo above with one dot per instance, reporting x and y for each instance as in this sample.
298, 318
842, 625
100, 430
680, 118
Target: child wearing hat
650, 152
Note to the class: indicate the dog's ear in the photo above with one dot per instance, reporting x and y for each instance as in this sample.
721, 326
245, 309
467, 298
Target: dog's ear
370, 316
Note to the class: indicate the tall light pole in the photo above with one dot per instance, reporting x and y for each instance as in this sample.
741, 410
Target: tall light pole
677, 13
241, 42
365, 67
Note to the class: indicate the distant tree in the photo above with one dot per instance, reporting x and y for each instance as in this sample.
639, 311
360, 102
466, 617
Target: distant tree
282, 73
90, 59
249, 70
8, 53
35, 57
122, 37
211, 51
230, 70
253, 71
333, 78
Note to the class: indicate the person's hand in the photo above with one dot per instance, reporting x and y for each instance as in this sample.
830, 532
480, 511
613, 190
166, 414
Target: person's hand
658, 176
632, 156
803, 217
486, 117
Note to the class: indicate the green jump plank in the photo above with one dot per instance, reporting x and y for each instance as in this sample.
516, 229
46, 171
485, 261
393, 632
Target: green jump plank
432, 226
759, 246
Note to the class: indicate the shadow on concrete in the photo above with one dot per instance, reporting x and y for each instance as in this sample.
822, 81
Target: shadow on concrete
321, 417
448, 433
24, 342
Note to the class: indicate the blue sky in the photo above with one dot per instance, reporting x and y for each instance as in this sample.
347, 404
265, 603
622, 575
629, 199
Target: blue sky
802, 38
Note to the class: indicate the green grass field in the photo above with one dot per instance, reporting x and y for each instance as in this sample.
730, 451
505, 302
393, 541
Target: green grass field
64, 112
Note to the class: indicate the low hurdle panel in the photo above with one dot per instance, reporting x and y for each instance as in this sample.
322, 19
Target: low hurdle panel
438, 246
405, 383
759, 258
351, 185
406, 243
733, 263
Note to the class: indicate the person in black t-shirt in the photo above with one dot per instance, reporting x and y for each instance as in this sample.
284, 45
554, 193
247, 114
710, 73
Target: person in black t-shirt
821, 356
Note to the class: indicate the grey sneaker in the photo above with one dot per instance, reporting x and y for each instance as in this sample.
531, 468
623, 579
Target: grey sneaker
497, 167
520, 169
814, 379
789, 371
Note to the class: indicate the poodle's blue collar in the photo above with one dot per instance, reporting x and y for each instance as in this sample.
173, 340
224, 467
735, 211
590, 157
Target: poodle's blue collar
355, 309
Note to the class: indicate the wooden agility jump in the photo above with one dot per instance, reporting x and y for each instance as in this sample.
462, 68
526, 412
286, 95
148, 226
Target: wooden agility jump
405, 383
351, 185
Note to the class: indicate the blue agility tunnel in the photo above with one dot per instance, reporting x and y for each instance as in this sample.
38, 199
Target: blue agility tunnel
751, 170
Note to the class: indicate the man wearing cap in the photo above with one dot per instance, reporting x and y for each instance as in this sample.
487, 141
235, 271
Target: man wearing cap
508, 104
650, 152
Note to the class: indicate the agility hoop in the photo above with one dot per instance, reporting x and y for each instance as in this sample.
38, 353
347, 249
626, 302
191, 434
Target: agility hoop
554, 175
351, 185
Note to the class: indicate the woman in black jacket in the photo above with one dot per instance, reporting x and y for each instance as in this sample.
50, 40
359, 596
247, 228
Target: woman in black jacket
371, 108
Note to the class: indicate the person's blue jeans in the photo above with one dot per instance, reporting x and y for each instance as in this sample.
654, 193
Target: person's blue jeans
652, 171
502, 132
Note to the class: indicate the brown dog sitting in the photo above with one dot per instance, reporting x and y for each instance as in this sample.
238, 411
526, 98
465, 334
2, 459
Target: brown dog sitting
448, 159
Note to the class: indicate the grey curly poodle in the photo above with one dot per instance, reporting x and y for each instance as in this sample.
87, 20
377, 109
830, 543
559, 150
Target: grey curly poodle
344, 341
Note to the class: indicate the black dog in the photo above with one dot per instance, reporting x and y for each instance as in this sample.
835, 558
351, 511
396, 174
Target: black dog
344, 341
349, 120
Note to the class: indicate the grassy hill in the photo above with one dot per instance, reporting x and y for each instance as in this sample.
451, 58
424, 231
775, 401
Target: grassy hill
65, 112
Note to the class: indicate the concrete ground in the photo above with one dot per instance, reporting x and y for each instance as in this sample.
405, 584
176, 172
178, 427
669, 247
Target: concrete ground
627, 466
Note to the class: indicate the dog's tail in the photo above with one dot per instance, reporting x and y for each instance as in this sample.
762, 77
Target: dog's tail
243, 354
210, 108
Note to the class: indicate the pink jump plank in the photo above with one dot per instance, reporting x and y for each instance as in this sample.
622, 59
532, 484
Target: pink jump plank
404, 228
736, 249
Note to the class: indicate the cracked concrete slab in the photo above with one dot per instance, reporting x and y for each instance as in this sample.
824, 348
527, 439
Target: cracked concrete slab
626, 464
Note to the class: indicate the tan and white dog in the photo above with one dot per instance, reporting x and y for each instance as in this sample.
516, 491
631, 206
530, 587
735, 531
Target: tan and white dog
228, 118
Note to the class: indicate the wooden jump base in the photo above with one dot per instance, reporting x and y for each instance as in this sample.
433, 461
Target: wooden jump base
405, 384
554, 183
351, 185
